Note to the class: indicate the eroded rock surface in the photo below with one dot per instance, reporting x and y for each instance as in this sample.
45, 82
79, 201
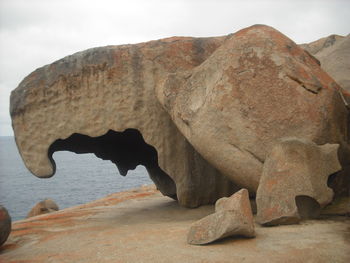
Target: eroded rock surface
334, 54
153, 229
258, 86
105, 97
233, 217
5, 225
238, 201
205, 110
43, 207
293, 184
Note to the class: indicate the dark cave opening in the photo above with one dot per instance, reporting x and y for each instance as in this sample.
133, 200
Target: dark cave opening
307, 206
125, 149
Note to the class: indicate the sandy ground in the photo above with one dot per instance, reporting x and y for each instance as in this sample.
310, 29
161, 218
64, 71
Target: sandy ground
143, 226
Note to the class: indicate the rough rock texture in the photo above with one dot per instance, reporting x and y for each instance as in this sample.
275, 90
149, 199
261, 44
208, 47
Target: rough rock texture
233, 217
105, 96
5, 225
293, 184
322, 43
258, 86
334, 54
43, 207
238, 201
201, 108
142, 225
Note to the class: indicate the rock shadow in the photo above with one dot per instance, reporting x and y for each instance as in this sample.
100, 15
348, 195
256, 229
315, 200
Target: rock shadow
125, 149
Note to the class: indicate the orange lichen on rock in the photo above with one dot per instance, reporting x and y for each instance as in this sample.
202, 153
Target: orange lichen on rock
153, 228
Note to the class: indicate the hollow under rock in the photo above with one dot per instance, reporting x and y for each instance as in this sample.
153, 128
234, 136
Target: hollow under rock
308, 207
125, 149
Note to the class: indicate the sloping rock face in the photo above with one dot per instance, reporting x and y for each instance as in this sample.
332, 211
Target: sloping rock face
322, 43
198, 113
44, 207
5, 225
258, 86
293, 184
334, 54
102, 100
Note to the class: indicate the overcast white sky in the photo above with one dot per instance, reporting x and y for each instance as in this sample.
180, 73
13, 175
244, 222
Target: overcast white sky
38, 32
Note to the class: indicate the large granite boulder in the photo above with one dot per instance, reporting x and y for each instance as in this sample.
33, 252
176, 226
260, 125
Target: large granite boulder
257, 87
199, 113
5, 225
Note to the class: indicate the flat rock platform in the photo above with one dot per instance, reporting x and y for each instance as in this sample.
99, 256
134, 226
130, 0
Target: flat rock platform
141, 225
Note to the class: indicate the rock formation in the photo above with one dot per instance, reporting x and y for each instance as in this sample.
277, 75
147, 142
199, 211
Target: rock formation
258, 86
233, 217
5, 225
105, 96
293, 184
199, 113
333, 52
43, 207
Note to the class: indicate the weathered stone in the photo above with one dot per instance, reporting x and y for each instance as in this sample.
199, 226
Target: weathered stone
43, 207
5, 225
200, 109
238, 201
233, 217
258, 86
142, 225
293, 184
103, 101
219, 225
334, 54
321, 44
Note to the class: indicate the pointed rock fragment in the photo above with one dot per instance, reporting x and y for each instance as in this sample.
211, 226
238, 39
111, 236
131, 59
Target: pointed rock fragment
238, 202
233, 217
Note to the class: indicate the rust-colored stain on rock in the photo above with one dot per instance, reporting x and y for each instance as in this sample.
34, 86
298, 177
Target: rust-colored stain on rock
144, 225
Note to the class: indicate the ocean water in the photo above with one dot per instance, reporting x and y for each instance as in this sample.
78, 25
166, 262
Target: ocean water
79, 178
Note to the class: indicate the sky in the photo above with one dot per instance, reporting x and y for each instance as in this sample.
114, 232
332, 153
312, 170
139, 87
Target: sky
34, 33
